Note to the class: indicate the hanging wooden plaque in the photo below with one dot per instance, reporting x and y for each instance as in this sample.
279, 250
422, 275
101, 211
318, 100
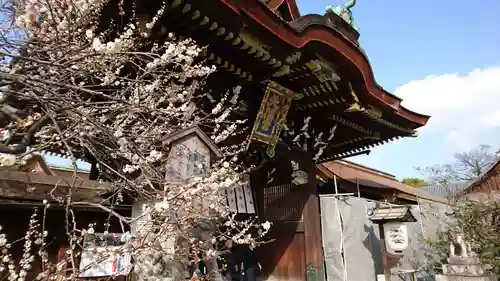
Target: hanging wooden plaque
272, 115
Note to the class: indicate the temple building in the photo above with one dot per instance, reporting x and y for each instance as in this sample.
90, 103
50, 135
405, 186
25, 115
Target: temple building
311, 93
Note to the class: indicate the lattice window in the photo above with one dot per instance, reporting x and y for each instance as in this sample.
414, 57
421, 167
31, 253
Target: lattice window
282, 203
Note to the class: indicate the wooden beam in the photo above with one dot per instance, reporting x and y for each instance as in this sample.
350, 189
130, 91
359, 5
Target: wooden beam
323, 172
274, 4
15, 202
33, 178
315, 269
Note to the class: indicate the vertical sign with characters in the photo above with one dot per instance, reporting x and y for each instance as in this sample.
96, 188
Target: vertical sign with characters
272, 115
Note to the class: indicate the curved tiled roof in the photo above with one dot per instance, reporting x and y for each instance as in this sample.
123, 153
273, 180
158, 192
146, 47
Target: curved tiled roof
317, 29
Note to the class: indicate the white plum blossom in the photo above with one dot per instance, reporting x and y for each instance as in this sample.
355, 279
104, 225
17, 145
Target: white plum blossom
112, 93
89, 33
33, 240
90, 230
266, 225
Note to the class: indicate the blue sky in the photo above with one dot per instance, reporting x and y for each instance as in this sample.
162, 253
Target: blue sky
442, 57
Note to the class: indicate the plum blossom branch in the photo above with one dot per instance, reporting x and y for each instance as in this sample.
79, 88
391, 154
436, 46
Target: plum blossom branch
76, 84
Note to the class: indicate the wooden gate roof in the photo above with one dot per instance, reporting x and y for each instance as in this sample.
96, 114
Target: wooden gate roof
317, 57
310, 30
256, 41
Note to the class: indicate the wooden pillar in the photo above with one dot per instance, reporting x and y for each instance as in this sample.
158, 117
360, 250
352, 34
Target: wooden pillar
312, 227
61, 263
315, 264
293, 206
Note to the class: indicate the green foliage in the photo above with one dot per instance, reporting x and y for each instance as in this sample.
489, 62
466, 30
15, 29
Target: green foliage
415, 182
480, 223
477, 220
437, 251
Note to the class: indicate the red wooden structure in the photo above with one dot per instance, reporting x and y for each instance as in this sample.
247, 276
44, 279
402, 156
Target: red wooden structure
316, 58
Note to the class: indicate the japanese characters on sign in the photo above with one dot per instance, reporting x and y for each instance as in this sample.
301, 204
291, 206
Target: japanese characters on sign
104, 255
272, 115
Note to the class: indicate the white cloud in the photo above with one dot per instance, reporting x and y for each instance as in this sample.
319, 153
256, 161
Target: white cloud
465, 110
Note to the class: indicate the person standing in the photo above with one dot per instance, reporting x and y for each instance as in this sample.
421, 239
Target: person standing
197, 270
230, 261
249, 264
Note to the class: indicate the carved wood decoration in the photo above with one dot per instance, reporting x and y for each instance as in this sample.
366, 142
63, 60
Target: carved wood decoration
322, 71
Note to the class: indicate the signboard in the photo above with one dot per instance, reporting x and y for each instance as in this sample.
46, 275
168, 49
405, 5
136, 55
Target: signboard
103, 255
240, 198
231, 199
272, 115
249, 199
104, 261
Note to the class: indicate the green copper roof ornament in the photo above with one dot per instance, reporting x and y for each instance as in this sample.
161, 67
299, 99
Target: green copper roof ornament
344, 11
